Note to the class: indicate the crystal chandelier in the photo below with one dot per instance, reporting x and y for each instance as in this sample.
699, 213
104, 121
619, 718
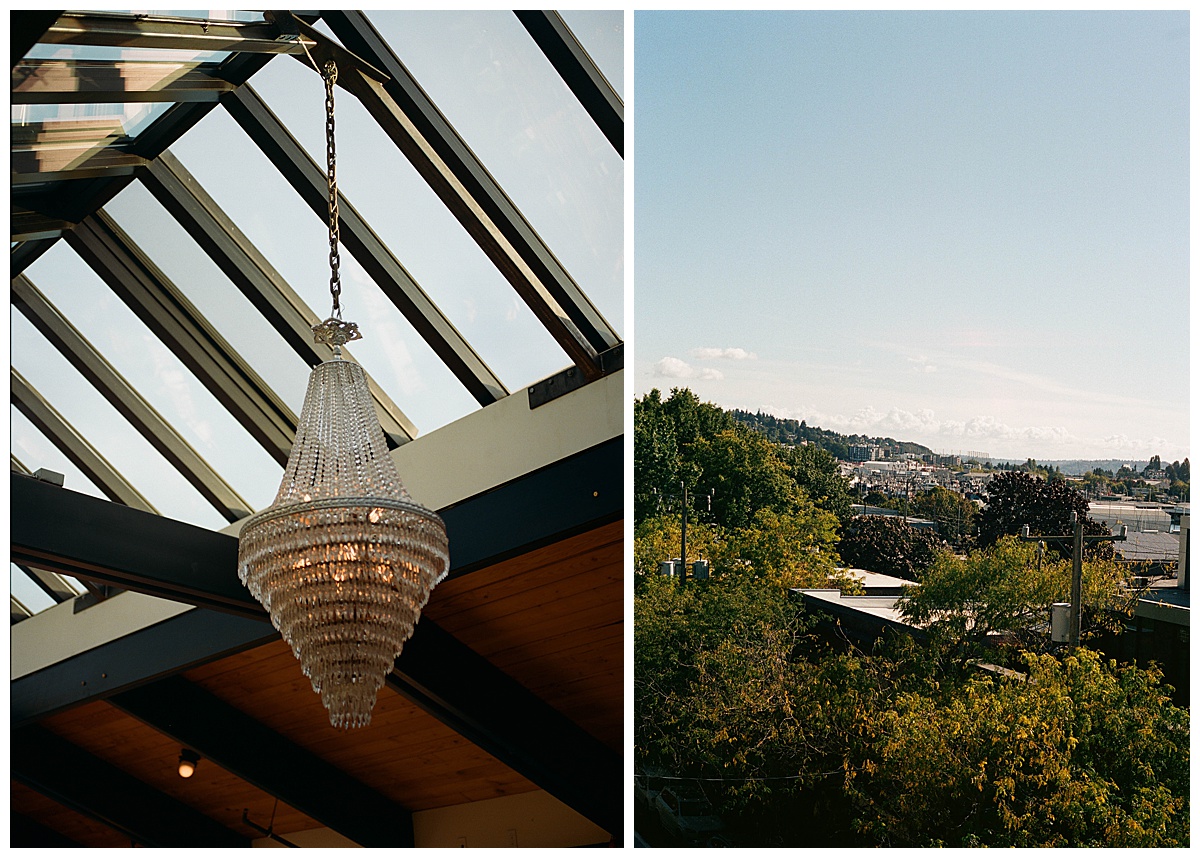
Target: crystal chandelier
343, 560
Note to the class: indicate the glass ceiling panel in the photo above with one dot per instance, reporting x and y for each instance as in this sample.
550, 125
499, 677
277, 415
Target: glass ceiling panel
499, 91
28, 593
295, 241
105, 429
157, 374
44, 51
36, 451
40, 126
602, 34
410, 219
170, 247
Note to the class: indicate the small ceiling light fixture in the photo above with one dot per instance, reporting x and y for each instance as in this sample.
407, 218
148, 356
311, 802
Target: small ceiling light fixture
188, 760
343, 559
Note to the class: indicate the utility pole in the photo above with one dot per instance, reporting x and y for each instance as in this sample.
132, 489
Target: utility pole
683, 536
1077, 539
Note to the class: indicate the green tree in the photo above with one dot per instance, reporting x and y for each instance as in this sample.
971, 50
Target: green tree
887, 545
746, 473
1014, 499
954, 514
816, 471
1076, 753
793, 549
800, 746
655, 455
1008, 589
658, 538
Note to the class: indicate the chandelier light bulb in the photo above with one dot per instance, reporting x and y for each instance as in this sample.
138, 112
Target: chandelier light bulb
188, 760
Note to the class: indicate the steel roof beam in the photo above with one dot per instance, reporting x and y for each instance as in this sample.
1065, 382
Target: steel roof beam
309, 181
464, 185
578, 71
46, 81
26, 29
133, 407
51, 583
27, 252
17, 611
255, 277
76, 779
50, 209
179, 325
169, 33
263, 758
73, 445
450, 681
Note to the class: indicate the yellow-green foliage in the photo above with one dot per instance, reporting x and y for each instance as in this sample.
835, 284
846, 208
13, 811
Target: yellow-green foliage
800, 745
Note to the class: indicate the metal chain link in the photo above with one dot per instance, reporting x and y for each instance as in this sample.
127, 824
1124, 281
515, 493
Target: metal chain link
335, 275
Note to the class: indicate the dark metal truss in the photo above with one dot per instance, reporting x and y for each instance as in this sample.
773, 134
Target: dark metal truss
578, 71
255, 277
303, 174
133, 407
73, 445
175, 321
436, 671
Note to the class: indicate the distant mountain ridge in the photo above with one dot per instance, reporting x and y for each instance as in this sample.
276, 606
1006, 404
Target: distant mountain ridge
1078, 467
784, 430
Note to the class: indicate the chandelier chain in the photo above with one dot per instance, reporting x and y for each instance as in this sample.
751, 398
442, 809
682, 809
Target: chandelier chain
335, 275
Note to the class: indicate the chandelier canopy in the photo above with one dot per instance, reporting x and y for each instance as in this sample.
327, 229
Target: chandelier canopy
344, 559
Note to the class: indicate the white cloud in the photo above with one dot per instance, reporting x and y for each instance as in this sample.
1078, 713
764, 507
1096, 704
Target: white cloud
729, 354
922, 364
673, 367
986, 433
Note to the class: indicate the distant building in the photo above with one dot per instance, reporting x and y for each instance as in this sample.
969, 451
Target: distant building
863, 453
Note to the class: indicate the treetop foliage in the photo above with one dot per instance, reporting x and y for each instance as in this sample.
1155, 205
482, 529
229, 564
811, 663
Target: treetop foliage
681, 439
906, 745
888, 545
1015, 499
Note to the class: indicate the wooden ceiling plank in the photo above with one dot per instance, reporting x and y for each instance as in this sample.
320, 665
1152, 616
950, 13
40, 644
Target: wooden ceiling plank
71, 776
241, 745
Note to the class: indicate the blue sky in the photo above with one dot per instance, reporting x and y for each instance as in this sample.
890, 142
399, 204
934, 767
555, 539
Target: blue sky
968, 230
